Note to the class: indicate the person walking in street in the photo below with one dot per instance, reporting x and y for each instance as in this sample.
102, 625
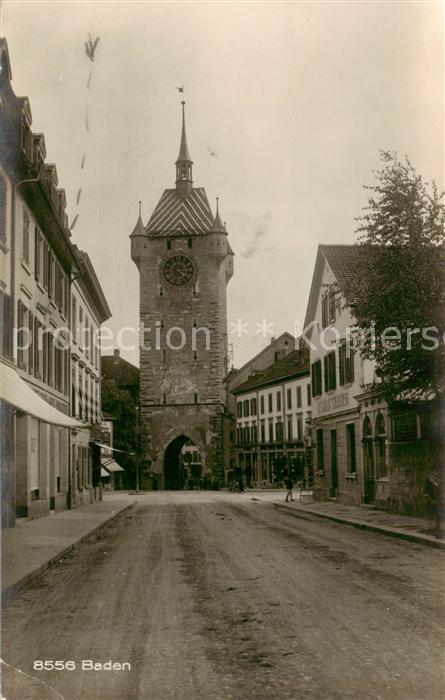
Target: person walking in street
289, 483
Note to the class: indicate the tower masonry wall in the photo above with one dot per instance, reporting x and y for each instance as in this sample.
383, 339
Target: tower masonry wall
183, 353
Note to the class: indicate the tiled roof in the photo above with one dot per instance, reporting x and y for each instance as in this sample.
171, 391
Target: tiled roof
296, 362
175, 214
344, 260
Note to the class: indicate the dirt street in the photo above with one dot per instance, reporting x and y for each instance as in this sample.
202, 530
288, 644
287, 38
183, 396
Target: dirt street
217, 596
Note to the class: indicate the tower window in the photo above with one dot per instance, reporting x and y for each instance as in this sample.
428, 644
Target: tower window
195, 355
195, 398
164, 354
190, 243
164, 398
161, 291
169, 245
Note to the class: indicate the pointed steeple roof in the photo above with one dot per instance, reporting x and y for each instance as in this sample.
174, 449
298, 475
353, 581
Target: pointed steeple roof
218, 226
139, 229
184, 155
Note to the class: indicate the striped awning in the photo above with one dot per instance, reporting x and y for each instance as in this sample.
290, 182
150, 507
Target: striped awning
112, 466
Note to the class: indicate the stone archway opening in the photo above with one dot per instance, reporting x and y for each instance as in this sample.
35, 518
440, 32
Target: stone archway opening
174, 477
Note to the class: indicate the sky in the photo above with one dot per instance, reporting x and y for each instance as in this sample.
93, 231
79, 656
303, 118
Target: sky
288, 106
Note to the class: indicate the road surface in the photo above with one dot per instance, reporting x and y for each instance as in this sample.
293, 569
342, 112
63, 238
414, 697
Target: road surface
213, 596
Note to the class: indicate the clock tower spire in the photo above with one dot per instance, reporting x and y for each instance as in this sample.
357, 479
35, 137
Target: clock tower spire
184, 181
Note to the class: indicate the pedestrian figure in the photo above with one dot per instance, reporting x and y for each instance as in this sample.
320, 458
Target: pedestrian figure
240, 484
289, 485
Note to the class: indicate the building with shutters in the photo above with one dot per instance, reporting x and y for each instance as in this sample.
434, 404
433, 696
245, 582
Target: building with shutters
38, 264
185, 262
364, 450
89, 309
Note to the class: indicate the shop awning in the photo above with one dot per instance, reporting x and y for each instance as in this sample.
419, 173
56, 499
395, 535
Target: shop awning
113, 449
14, 390
112, 466
103, 473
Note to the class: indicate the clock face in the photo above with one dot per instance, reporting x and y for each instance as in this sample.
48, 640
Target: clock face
178, 269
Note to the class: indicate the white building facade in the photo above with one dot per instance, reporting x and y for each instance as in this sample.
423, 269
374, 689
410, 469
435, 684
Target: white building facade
89, 310
272, 410
339, 376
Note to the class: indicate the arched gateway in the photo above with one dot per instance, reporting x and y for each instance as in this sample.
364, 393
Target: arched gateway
173, 467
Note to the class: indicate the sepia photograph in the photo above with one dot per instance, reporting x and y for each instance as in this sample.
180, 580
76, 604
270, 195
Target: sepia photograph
222, 349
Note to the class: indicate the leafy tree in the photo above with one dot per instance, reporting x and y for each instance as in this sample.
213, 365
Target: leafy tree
397, 290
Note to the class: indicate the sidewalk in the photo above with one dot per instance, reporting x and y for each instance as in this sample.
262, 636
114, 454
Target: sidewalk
33, 545
419, 530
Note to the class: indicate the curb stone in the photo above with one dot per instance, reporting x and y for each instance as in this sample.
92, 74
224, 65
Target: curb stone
425, 540
9, 593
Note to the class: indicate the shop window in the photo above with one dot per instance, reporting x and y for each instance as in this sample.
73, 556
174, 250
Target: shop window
320, 450
380, 437
351, 454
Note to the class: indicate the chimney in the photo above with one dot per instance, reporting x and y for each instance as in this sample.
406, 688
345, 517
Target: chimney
116, 354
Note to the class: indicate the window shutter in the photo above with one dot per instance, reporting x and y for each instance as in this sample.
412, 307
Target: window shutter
331, 302
25, 242
332, 372
324, 319
31, 343
351, 366
341, 362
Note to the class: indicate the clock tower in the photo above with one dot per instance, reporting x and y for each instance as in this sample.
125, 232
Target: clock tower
185, 262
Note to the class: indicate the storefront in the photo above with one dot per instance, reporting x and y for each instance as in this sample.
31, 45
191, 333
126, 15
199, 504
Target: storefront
40, 464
